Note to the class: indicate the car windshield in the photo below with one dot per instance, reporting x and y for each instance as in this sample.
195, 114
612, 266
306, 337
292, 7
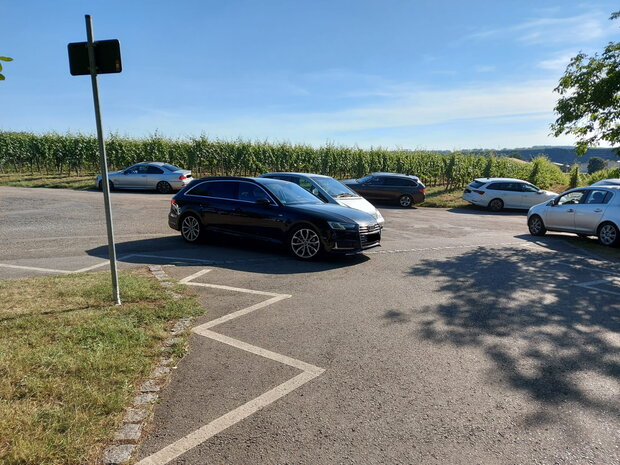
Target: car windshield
291, 194
171, 167
364, 179
334, 188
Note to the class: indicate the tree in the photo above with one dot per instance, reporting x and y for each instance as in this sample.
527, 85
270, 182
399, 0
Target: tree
595, 164
2, 78
589, 104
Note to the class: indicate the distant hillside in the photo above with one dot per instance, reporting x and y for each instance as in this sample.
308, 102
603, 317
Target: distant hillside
565, 155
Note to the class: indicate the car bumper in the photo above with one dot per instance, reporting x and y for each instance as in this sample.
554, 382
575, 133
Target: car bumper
353, 242
419, 197
475, 199
173, 220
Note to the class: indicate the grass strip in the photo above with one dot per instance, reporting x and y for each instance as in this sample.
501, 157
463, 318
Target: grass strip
70, 360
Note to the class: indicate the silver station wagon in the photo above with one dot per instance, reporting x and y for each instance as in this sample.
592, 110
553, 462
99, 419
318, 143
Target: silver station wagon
586, 211
162, 177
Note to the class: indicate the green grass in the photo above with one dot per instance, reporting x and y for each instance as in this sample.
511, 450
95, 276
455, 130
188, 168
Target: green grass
48, 180
70, 360
590, 244
438, 197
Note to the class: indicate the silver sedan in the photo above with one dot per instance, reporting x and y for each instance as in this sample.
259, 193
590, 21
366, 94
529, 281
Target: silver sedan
162, 177
586, 211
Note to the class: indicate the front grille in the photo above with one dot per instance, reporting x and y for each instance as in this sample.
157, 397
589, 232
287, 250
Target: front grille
373, 228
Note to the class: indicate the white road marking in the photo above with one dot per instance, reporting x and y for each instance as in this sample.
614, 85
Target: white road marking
206, 432
107, 262
33, 268
593, 285
194, 276
308, 372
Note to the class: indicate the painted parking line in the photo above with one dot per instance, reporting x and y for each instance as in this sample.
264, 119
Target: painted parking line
202, 434
34, 268
606, 281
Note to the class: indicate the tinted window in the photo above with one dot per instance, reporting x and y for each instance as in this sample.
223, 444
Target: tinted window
476, 184
399, 182
598, 197
170, 167
334, 188
364, 179
497, 186
529, 188
249, 192
219, 189
153, 170
289, 193
376, 181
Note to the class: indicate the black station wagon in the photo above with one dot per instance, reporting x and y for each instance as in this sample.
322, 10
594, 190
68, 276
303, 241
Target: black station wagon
389, 187
272, 210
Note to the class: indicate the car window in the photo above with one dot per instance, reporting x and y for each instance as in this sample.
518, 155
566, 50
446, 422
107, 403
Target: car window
153, 170
334, 188
376, 181
598, 197
571, 198
249, 192
529, 188
290, 193
137, 169
170, 167
476, 184
399, 182
365, 179
514, 186
217, 189
497, 186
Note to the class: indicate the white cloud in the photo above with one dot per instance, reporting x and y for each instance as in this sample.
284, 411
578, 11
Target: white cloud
553, 30
479, 116
557, 62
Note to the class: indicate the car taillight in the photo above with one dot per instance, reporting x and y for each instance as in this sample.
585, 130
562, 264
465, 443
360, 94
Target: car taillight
173, 202
421, 191
478, 192
182, 177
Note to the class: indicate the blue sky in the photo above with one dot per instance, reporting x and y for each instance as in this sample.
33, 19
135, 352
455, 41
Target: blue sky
391, 73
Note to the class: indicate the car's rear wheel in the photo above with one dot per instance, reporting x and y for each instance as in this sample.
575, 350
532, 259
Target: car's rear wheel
496, 205
405, 200
304, 243
608, 234
163, 187
191, 228
536, 226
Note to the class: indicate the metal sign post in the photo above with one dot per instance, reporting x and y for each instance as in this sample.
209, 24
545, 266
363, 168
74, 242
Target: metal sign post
74, 51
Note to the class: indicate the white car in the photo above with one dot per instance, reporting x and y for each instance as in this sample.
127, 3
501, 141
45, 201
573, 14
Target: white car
329, 190
607, 182
586, 211
499, 193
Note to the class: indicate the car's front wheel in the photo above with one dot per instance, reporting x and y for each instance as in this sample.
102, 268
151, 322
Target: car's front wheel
536, 226
608, 234
304, 243
405, 200
191, 228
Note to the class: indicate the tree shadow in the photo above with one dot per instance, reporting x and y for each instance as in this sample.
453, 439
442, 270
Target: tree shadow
232, 253
543, 332
475, 210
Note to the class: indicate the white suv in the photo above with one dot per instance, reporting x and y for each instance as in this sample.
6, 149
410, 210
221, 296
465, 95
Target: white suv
499, 193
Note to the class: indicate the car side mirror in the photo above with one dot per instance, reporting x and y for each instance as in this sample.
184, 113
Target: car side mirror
540, 192
125, 172
264, 201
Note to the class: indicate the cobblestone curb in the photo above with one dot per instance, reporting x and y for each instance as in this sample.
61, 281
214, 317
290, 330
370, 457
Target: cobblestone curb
127, 437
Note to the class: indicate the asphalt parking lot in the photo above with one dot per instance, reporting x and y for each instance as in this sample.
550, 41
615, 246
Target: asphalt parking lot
461, 340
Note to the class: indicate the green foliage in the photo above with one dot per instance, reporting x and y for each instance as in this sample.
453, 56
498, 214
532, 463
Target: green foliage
589, 104
595, 164
22, 152
2, 78
575, 176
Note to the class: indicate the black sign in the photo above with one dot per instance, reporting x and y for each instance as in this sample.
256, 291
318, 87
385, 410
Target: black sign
107, 57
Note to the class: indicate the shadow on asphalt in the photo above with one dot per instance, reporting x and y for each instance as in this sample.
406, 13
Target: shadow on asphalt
225, 252
473, 210
547, 337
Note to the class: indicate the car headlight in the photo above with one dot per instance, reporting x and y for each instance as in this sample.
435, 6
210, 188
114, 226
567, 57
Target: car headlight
341, 226
379, 217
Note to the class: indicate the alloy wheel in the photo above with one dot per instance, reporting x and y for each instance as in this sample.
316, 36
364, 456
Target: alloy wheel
305, 243
190, 228
405, 201
608, 234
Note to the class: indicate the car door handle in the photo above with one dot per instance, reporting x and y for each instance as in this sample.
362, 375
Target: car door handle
570, 210
598, 210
